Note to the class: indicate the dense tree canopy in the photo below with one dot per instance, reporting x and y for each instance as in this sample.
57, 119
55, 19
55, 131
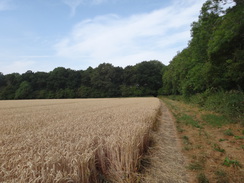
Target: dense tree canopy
143, 79
214, 58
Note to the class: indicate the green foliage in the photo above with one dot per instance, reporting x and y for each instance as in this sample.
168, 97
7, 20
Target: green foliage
189, 121
234, 163
221, 140
228, 132
214, 57
188, 144
148, 77
41, 94
24, 91
131, 91
218, 148
65, 93
228, 103
106, 79
2, 80
143, 79
225, 48
215, 120
84, 92
239, 137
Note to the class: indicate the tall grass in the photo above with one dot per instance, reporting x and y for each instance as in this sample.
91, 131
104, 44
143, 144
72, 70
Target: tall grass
228, 103
84, 141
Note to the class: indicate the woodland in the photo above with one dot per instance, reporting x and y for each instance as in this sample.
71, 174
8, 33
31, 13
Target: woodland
212, 62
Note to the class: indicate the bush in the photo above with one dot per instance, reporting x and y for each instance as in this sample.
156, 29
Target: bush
230, 103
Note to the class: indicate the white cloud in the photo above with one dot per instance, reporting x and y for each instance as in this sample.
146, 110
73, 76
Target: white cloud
96, 2
5, 5
129, 40
20, 65
74, 4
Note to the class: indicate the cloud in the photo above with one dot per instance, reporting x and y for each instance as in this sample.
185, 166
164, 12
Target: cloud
74, 4
36, 56
128, 40
21, 65
97, 2
6, 5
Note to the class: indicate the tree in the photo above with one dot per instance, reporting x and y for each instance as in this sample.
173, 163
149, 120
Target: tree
40, 81
12, 82
84, 92
129, 76
106, 80
149, 76
214, 57
2, 80
57, 79
238, 2
226, 50
24, 91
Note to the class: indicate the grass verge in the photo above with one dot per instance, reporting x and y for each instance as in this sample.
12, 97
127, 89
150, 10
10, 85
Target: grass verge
229, 104
212, 142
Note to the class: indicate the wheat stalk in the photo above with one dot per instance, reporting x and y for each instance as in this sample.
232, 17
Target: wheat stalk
89, 140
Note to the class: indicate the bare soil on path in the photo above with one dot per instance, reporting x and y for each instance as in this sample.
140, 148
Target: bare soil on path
166, 163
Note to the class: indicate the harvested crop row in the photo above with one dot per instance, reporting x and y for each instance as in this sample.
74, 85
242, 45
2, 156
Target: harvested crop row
90, 140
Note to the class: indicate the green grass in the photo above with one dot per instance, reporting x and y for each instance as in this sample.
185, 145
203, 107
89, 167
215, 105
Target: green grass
221, 140
218, 148
215, 120
239, 137
229, 132
189, 115
188, 120
234, 163
227, 103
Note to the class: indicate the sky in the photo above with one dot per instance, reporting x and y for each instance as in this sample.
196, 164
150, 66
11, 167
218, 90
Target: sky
40, 35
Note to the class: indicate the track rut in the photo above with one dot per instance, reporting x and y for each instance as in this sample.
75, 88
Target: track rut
167, 163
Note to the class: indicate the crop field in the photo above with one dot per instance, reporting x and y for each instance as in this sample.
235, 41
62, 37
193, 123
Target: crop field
78, 140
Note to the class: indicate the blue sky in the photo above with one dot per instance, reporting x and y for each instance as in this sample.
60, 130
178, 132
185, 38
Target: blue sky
40, 35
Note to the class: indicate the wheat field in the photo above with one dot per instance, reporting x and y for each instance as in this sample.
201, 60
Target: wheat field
78, 140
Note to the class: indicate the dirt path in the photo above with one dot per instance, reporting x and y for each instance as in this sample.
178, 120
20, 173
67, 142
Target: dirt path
167, 164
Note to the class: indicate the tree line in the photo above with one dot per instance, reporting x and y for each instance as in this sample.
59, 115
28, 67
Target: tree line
214, 58
142, 79
212, 61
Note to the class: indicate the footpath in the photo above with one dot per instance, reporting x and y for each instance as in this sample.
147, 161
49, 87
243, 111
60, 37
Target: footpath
166, 161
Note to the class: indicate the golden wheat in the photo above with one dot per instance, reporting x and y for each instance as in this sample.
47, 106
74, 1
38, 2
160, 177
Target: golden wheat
89, 140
